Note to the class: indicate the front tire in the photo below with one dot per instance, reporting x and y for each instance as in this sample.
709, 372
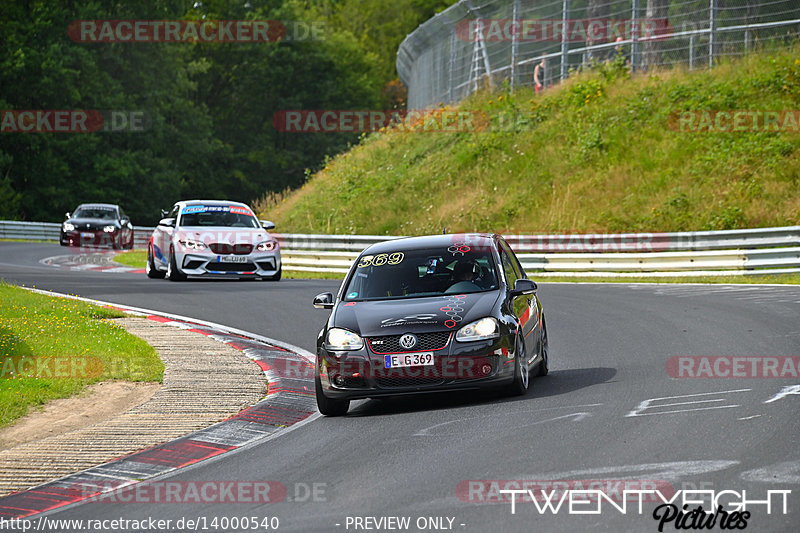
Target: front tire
521, 372
329, 406
173, 274
150, 268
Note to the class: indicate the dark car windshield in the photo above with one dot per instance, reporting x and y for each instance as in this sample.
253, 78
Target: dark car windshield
417, 273
222, 215
103, 213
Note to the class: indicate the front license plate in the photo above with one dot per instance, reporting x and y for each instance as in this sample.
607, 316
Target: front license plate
408, 359
232, 259
87, 235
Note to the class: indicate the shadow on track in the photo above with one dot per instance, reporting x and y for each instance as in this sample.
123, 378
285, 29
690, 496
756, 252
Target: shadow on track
555, 383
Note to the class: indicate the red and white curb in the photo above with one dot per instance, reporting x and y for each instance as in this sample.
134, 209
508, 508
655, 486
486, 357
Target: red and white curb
289, 402
99, 261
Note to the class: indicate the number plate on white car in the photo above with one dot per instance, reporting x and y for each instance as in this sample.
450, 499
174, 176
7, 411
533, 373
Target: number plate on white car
408, 359
232, 259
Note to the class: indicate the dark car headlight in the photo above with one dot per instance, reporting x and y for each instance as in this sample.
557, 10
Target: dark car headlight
68, 227
342, 339
485, 328
110, 229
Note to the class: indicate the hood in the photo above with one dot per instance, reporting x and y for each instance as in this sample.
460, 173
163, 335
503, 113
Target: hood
93, 222
420, 315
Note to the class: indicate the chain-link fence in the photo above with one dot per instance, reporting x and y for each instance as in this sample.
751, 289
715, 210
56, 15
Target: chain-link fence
538, 42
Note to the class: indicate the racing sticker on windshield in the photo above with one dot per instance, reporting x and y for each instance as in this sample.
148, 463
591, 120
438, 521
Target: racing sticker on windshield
453, 309
394, 258
216, 209
459, 248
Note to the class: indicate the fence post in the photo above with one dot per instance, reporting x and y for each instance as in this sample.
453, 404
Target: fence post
712, 31
691, 52
564, 41
514, 43
452, 65
635, 35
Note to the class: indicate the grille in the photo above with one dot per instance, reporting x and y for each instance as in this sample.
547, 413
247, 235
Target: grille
393, 383
426, 342
267, 265
231, 267
236, 249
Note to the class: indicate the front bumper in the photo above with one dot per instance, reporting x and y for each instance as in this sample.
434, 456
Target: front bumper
458, 366
255, 264
89, 238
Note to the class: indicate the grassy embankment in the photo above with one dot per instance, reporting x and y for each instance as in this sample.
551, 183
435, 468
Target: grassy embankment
53, 347
595, 154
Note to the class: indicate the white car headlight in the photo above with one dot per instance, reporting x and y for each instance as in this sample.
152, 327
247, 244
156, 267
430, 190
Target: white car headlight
485, 328
192, 244
109, 229
266, 246
341, 339
68, 227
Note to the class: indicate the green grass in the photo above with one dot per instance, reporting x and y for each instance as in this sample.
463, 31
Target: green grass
132, 258
595, 154
53, 347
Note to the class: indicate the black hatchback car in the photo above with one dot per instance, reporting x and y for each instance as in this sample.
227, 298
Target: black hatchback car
97, 225
430, 314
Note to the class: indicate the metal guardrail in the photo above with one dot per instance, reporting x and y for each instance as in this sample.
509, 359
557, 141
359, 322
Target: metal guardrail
719, 253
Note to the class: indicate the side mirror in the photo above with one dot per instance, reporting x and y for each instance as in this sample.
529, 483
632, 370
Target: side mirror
323, 301
266, 224
67, 215
169, 222
523, 286
164, 213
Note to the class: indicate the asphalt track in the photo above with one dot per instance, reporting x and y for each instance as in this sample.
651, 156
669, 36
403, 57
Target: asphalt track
608, 411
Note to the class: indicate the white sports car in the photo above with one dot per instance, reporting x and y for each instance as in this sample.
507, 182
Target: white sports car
213, 237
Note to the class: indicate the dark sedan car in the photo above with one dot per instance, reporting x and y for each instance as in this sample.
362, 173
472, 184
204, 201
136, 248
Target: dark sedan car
97, 225
430, 314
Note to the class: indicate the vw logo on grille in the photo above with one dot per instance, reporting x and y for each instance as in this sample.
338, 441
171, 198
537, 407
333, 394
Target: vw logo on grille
408, 341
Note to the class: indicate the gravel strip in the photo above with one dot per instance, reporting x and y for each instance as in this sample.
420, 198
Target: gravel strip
205, 381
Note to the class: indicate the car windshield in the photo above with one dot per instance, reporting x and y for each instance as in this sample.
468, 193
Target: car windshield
94, 212
418, 273
218, 215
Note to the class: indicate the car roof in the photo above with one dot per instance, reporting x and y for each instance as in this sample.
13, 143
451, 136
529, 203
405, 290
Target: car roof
98, 206
431, 241
205, 202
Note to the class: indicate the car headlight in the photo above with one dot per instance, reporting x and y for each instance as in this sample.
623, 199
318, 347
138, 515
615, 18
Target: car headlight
485, 328
68, 227
110, 229
266, 246
341, 339
192, 244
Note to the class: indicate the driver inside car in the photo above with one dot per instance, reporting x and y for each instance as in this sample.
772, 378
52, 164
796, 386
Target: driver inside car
465, 275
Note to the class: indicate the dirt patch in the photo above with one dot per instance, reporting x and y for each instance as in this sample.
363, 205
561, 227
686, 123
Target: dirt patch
95, 403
